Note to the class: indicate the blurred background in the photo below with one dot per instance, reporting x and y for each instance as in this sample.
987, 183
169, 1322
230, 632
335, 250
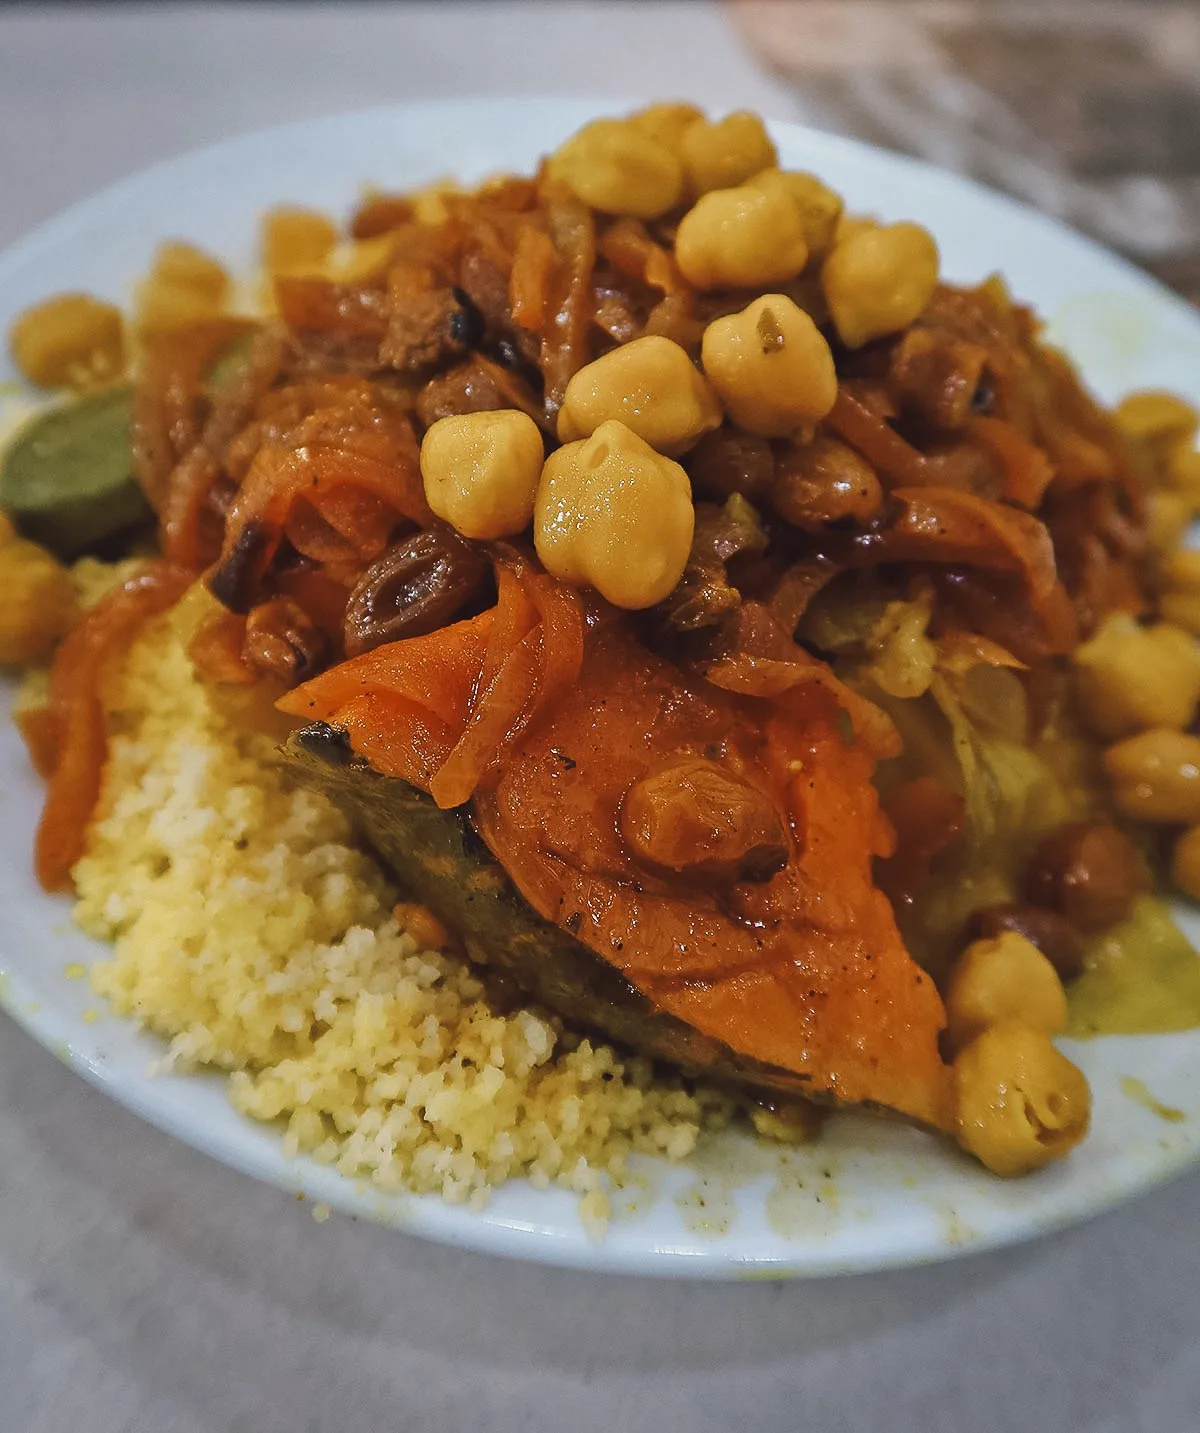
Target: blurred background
1089, 109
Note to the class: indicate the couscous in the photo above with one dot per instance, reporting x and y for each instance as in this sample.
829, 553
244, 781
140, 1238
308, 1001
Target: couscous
255, 936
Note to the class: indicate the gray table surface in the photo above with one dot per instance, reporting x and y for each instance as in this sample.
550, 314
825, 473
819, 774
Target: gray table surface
144, 1287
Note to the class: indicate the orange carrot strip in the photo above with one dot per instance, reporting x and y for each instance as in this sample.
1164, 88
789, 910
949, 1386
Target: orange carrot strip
78, 714
529, 282
279, 477
896, 462
1027, 470
946, 525
437, 672
343, 524
500, 711
481, 683
535, 673
397, 736
39, 731
184, 503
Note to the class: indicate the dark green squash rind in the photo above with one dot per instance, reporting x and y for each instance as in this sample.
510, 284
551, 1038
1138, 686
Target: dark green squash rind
67, 478
438, 857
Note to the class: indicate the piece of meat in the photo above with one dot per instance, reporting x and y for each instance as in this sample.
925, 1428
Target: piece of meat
428, 328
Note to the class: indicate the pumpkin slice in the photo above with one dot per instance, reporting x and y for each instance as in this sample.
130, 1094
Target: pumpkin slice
685, 869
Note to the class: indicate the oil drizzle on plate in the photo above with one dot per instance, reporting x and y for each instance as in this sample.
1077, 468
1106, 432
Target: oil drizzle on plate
1133, 1088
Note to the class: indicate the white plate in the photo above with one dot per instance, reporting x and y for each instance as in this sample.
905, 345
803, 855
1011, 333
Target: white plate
868, 1195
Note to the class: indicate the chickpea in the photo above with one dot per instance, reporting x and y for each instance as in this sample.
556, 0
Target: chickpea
717, 154
770, 366
1132, 677
184, 286
613, 513
820, 207
1179, 601
850, 225
1018, 1102
1156, 776
1151, 414
665, 123
824, 481
652, 386
878, 280
1181, 473
1168, 515
1185, 863
69, 341
741, 238
39, 601
615, 167
296, 240
481, 471
184, 265
1006, 978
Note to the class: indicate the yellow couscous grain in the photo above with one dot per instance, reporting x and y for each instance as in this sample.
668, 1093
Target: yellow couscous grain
254, 936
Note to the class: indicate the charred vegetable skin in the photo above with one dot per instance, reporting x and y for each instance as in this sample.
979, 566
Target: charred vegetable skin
441, 859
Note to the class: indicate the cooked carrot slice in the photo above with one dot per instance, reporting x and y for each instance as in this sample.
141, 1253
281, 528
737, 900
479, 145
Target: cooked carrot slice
80, 733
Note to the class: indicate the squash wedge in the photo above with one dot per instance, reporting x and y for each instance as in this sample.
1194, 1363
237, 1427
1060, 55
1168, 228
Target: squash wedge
789, 981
